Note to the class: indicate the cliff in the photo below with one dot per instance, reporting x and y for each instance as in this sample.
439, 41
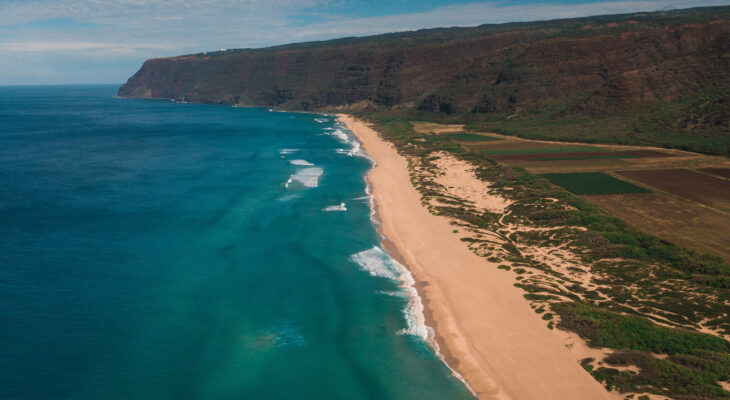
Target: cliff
587, 68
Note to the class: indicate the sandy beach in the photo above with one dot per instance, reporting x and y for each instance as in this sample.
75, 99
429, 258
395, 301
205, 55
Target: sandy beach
484, 326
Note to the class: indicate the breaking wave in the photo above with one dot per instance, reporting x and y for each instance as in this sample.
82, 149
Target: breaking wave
308, 177
378, 263
300, 162
341, 134
339, 207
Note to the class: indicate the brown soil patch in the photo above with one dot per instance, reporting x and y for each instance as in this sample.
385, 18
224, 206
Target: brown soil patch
432, 127
510, 144
583, 156
723, 172
672, 219
595, 165
621, 164
692, 185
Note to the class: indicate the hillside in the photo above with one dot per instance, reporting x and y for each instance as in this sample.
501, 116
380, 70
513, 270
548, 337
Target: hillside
649, 78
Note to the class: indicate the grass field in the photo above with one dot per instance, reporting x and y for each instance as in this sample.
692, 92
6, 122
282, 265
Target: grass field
593, 183
470, 137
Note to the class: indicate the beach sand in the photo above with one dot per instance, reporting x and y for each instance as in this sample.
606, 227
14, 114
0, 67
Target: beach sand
484, 327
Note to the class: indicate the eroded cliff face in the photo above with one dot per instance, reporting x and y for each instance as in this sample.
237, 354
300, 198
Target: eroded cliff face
605, 60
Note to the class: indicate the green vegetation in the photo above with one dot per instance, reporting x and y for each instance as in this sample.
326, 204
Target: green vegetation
695, 364
697, 121
593, 183
608, 329
470, 137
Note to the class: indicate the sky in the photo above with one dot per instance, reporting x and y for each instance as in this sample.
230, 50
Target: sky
106, 41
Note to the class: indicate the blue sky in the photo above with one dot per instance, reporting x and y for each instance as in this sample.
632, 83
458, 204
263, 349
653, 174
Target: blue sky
106, 41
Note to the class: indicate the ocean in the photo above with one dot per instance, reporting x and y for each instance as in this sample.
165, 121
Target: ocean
157, 250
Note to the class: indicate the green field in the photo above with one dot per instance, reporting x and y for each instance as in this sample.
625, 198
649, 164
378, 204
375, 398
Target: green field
540, 150
593, 183
470, 137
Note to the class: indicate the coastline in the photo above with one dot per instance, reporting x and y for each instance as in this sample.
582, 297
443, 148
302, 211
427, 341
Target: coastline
434, 339
484, 328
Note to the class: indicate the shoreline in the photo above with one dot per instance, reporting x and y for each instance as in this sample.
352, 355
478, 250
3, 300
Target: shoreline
483, 328
435, 340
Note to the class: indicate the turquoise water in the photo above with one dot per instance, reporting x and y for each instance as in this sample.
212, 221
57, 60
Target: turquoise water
153, 250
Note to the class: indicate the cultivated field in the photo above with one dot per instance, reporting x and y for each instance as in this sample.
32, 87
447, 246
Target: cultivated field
512, 146
432, 127
555, 155
721, 172
704, 189
694, 227
593, 183
470, 137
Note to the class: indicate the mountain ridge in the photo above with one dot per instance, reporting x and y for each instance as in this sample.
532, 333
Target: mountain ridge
492, 76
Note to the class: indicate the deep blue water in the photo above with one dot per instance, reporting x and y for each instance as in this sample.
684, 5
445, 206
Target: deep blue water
153, 250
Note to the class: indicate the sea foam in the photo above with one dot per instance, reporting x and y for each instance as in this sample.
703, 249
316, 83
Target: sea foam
341, 134
300, 162
378, 263
308, 177
338, 207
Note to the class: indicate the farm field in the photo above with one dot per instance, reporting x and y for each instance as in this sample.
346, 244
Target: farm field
528, 153
454, 131
675, 220
581, 155
676, 207
512, 146
593, 183
691, 185
721, 172
432, 127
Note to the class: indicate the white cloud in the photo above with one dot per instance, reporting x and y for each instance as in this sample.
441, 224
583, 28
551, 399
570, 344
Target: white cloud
474, 14
55, 46
143, 11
